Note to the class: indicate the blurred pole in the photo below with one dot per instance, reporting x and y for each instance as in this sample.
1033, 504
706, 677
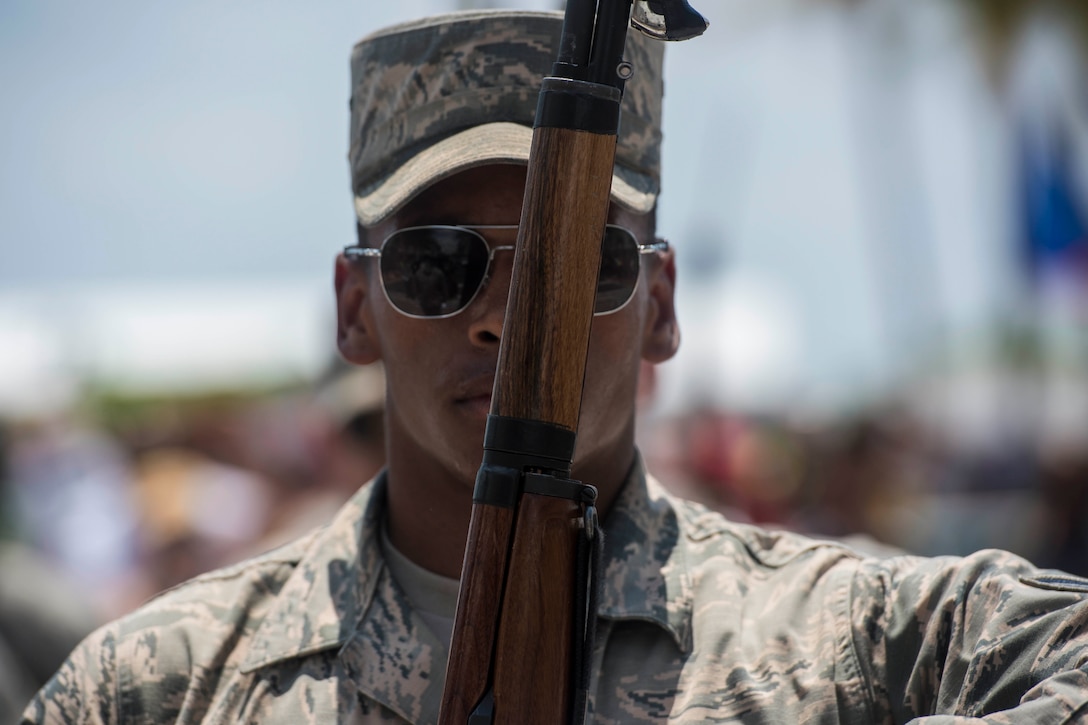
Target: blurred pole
1001, 22
905, 266
1046, 96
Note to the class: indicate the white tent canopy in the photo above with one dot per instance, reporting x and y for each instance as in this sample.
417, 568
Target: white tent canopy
162, 338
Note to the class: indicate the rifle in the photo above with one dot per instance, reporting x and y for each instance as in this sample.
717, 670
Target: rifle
523, 632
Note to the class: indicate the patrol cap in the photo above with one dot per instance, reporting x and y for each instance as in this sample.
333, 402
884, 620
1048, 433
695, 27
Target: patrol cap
437, 96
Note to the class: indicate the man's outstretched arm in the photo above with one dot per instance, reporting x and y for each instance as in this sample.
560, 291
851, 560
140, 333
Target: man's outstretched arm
987, 638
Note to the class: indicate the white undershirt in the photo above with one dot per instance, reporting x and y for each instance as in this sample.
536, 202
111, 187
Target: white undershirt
433, 597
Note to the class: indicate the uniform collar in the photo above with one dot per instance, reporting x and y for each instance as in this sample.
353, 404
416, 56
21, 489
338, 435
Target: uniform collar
324, 601
645, 576
342, 597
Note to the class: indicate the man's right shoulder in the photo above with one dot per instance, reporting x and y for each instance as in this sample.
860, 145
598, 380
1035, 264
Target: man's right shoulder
175, 646
235, 597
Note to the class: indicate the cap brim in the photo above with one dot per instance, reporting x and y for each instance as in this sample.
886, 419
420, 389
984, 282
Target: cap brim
490, 143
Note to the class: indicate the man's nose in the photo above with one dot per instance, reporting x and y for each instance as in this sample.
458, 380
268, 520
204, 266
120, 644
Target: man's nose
488, 310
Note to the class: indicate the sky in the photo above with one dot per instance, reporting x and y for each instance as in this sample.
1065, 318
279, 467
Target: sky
179, 141
832, 201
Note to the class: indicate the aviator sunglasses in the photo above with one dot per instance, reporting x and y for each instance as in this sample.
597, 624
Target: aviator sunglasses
437, 270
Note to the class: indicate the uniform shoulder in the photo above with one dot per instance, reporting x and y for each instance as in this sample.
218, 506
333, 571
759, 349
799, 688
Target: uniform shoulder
177, 647
223, 605
709, 530
274, 564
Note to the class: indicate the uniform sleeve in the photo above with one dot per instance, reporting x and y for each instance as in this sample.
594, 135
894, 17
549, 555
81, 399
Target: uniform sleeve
84, 690
984, 639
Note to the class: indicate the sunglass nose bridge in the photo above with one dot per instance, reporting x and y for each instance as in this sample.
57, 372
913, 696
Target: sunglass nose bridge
491, 252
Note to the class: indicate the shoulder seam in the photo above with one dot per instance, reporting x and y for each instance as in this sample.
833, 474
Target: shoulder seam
118, 703
864, 685
694, 523
274, 558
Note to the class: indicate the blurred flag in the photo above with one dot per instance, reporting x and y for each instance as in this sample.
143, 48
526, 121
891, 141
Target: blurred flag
1052, 205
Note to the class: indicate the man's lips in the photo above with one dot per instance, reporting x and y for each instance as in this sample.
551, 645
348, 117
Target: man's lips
476, 393
476, 400
476, 406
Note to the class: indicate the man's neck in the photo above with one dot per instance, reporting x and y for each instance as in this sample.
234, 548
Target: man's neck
429, 506
428, 513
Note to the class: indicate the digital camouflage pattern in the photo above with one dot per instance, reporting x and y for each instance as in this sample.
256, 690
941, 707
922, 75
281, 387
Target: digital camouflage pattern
702, 620
435, 96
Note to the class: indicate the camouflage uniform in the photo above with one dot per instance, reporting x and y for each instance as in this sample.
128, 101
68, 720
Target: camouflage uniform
702, 620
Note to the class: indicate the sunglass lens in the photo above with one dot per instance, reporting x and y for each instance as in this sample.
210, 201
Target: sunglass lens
433, 271
619, 270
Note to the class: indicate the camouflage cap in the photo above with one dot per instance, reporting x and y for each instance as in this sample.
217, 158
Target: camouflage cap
436, 96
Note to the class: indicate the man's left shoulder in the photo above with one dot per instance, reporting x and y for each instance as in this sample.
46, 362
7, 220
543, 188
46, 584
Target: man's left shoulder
709, 534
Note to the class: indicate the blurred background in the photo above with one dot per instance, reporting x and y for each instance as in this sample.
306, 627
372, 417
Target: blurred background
879, 209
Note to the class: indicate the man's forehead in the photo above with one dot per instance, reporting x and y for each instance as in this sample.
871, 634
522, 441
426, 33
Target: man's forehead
489, 194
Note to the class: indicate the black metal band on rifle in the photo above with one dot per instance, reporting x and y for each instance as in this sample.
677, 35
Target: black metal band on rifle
513, 446
578, 106
543, 484
553, 444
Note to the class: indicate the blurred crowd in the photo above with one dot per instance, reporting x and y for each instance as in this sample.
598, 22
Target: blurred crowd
103, 507
883, 481
99, 514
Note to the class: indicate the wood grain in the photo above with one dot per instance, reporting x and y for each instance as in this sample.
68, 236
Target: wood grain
522, 650
542, 358
478, 605
533, 671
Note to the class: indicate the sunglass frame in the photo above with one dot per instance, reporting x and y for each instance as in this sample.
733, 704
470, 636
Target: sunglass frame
356, 252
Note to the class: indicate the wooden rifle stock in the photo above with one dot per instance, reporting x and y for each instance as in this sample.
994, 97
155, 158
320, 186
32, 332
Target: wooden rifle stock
525, 605
518, 583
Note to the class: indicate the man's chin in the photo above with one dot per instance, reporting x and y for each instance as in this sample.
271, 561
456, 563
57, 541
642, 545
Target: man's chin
469, 457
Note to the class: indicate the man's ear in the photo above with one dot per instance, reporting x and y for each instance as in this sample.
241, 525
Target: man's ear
354, 326
661, 334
